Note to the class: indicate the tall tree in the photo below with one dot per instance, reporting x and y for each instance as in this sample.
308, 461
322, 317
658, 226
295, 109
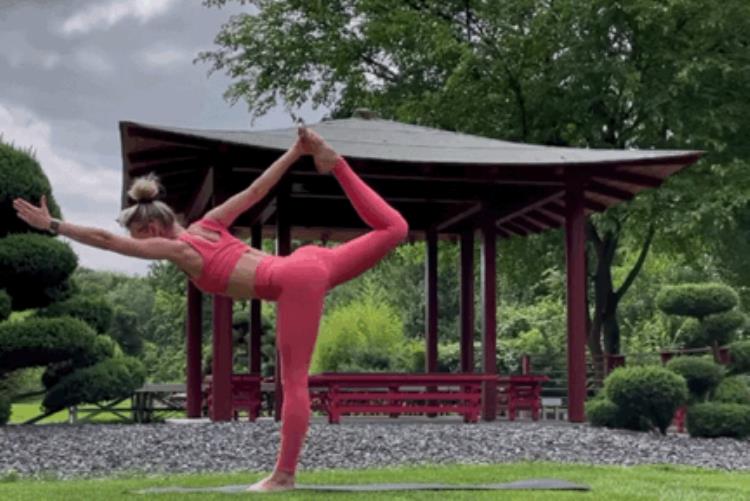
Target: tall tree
587, 73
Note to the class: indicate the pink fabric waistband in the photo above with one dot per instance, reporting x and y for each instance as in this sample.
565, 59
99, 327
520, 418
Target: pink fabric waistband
262, 280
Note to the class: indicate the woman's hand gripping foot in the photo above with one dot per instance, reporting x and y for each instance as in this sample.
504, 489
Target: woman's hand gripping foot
324, 155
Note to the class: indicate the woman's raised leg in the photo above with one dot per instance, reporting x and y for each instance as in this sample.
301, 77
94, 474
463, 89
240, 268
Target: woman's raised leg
350, 259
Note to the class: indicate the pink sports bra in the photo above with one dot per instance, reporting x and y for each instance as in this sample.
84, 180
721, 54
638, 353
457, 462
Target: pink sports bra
219, 258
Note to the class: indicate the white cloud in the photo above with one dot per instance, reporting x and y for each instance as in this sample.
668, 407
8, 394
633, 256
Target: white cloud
105, 15
74, 184
93, 61
167, 57
25, 54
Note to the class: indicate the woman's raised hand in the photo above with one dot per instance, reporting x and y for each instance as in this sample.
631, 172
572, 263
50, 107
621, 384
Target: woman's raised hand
38, 217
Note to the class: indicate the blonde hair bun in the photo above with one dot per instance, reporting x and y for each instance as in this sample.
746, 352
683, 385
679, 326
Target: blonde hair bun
145, 189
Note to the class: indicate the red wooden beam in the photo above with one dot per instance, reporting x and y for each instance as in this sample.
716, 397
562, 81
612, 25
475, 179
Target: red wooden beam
575, 241
202, 197
193, 343
609, 191
461, 216
466, 305
489, 320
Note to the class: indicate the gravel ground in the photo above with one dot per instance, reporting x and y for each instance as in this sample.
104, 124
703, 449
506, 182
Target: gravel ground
66, 451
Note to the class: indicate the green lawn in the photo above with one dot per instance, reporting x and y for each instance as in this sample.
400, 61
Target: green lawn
610, 483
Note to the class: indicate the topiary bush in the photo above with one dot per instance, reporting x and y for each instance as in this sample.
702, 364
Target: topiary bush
94, 311
739, 352
650, 393
732, 390
107, 380
40, 341
21, 176
716, 419
5, 305
696, 300
602, 412
701, 374
34, 269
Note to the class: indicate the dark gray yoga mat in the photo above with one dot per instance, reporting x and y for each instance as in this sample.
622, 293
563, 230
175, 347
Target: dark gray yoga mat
534, 483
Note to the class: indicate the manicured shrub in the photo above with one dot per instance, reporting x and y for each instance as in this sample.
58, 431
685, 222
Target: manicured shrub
701, 374
732, 390
602, 412
696, 300
21, 176
651, 393
40, 341
107, 380
5, 303
739, 352
34, 269
96, 312
716, 419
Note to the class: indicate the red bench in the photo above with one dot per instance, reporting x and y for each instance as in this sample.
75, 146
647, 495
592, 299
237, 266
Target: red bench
398, 393
517, 392
246, 394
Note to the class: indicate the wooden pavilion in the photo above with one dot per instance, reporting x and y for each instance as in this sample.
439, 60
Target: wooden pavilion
446, 184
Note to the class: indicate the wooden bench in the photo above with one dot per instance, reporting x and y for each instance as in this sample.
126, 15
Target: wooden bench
398, 393
245, 392
520, 392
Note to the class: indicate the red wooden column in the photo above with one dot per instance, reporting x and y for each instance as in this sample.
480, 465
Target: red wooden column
221, 368
466, 304
489, 320
575, 241
431, 308
256, 331
283, 248
193, 339
221, 362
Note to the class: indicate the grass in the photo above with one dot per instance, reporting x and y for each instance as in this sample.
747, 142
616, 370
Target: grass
25, 410
610, 483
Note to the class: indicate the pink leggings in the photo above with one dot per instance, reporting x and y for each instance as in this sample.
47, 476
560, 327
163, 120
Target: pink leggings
299, 283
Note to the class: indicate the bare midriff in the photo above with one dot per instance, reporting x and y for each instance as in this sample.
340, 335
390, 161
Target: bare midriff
241, 283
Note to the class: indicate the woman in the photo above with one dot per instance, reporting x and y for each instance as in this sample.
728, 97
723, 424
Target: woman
219, 263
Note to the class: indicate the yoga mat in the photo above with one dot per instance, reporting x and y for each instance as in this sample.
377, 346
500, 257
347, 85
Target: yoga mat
533, 484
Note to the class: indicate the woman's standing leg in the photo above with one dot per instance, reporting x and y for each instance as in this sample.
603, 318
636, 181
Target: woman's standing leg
304, 282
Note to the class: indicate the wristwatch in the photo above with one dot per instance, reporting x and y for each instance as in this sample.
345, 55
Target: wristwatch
54, 226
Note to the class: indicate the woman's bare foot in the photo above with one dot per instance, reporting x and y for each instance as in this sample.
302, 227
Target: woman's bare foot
325, 156
277, 481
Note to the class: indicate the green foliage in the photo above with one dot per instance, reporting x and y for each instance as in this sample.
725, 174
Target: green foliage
651, 393
5, 305
696, 300
40, 341
365, 335
124, 330
739, 351
701, 374
732, 390
602, 412
712, 419
21, 176
34, 269
109, 379
95, 311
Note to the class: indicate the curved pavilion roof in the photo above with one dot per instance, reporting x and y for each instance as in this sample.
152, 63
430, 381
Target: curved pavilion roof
435, 178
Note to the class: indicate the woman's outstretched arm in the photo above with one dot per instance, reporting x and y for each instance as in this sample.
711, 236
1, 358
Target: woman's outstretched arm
228, 211
147, 248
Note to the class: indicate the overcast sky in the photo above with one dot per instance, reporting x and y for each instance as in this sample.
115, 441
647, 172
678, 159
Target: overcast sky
70, 70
